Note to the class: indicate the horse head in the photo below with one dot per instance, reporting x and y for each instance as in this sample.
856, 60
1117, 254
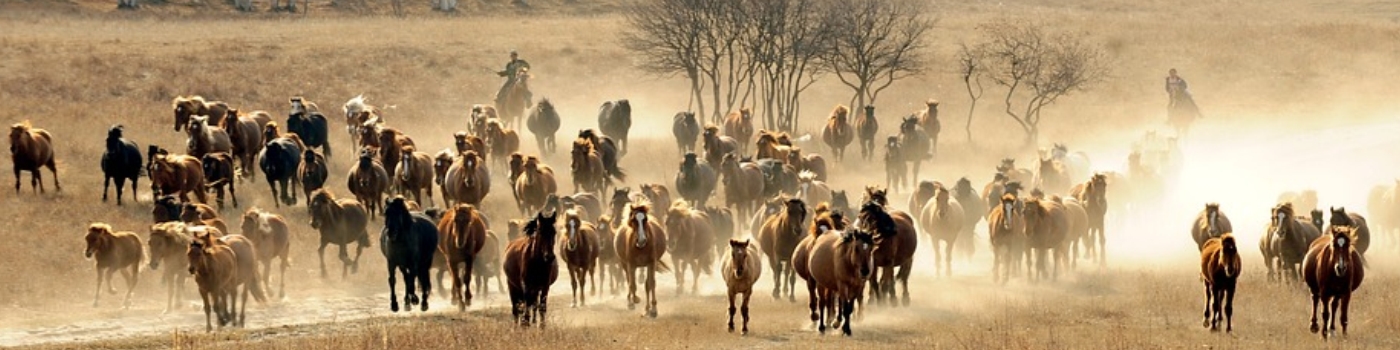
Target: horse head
639, 220
1213, 218
1229, 253
572, 224
98, 239
862, 250
739, 253
1342, 237
1340, 217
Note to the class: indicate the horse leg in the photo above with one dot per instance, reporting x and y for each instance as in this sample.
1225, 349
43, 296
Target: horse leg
106, 183
695, 281
651, 291
282, 281
208, 324
1345, 307
847, 306
904, 270
16, 179
631, 287
97, 292
573, 286
680, 275
393, 295
1205, 315
321, 254
131, 278
1328, 304
36, 181
887, 284
1313, 323
1230, 312
777, 277
731, 311
811, 300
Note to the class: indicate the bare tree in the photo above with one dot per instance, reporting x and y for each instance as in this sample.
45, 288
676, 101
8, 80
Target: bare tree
876, 42
1037, 68
723, 61
971, 69
667, 36
790, 38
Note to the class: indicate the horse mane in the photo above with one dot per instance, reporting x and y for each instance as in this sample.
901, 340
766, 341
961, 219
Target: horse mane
873, 215
840, 112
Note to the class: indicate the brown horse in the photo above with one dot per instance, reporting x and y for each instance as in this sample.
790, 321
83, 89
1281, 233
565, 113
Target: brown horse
167, 244
1362, 232
1333, 269
530, 267
1012, 173
415, 173
1092, 195
218, 174
369, 182
245, 132
391, 144
778, 238
743, 185
463, 234
1078, 220
1285, 242
1210, 223
476, 121
768, 146
341, 222
840, 263
30, 149
691, 243
660, 198
741, 270
1047, 227
201, 215
640, 243
838, 132
826, 220
206, 137
896, 239
535, 184
185, 107
928, 120
812, 190
467, 180
515, 98
913, 144
502, 140
587, 168
215, 269
1220, 268
312, 172
716, 145
1007, 232
178, 175
866, 128
811, 162
1052, 177
271, 236
114, 251
896, 169
609, 267
942, 220
580, 255
739, 125
488, 265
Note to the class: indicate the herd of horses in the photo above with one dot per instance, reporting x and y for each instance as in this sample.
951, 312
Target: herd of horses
779, 209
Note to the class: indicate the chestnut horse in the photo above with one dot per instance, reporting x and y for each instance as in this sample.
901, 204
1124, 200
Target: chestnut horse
866, 128
467, 180
114, 251
1047, 227
826, 220
31, 148
271, 235
1092, 195
185, 107
1220, 268
580, 255
530, 268
1007, 233
179, 175
501, 140
535, 184
691, 243
1333, 269
414, 174
739, 125
838, 132
778, 238
716, 145
312, 172
640, 243
841, 262
463, 235
369, 182
741, 270
587, 168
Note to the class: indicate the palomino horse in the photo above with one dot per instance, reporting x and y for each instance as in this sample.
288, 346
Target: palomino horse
1333, 269
530, 267
838, 132
640, 244
741, 270
1220, 268
114, 251
516, 98
778, 239
31, 148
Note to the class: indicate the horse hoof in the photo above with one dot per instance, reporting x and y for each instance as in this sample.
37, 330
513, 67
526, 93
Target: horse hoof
731, 328
394, 306
746, 332
424, 306
1206, 324
1313, 328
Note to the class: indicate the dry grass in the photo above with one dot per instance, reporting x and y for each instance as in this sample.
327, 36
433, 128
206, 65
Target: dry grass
1296, 78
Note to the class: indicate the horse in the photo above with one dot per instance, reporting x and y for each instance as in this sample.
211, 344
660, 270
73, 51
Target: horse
414, 173
838, 132
463, 232
841, 203
812, 190
1333, 269
487, 265
1361, 233
543, 122
341, 222
1210, 223
743, 185
1052, 176
587, 168
942, 219
840, 263
741, 269
716, 145
1285, 242
245, 134
467, 180
768, 146
608, 263
114, 251
811, 162
826, 220
215, 269
778, 238
465, 142
607, 150
896, 239
1047, 229
686, 129
476, 121
219, 173
1384, 209
205, 138
659, 196
928, 121
121, 161
168, 208
778, 176
313, 129
201, 214
408, 241
722, 224
1092, 195
31, 148
739, 125
640, 243
588, 204
615, 119
280, 161
580, 253
695, 181
1078, 219
691, 243
167, 244
391, 144
516, 98
913, 143
271, 236
530, 268
179, 175
535, 184
501, 140
312, 172
186, 107
923, 192
1076, 164
974, 210
896, 169
1007, 233
369, 182
1220, 269
866, 128
1009, 170
357, 114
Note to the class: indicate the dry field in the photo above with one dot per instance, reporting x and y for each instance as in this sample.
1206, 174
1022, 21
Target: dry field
1296, 92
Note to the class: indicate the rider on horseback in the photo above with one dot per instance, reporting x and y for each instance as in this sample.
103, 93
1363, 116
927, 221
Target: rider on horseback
1181, 108
512, 71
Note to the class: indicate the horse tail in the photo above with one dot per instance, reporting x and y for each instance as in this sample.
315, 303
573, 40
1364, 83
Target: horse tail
616, 171
254, 285
661, 267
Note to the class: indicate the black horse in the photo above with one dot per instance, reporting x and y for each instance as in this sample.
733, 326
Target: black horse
121, 161
686, 129
408, 241
544, 123
695, 181
615, 119
279, 161
312, 128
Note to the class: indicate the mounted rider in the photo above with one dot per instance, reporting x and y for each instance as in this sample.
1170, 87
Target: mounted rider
512, 71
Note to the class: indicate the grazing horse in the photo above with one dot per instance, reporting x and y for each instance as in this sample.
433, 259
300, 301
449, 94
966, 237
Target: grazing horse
31, 148
271, 236
114, 251
369, 182
739, 125
691, 243
167, 244
1362, 232
580, 254
1210, 223
778, 238
913, 144
896, 240
741, 269
1047, 227
312, 172
866, 128
543, 122
467, 180
615, 119
341, 222
178, 175
1333, 269
408, 242
640, 243
743, 185
186, 107
205, 138
1052, 176
515, 98
1285, 242
1220, 268
280, 161
1007, 233
463, 230
942, 219
1092, 195
219, 173
695, 181
716, 145
896, 169
530, 268
840, 263
928, 121
414, 173
121, 161
686, 130
838, 132
245, 133
535, 184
